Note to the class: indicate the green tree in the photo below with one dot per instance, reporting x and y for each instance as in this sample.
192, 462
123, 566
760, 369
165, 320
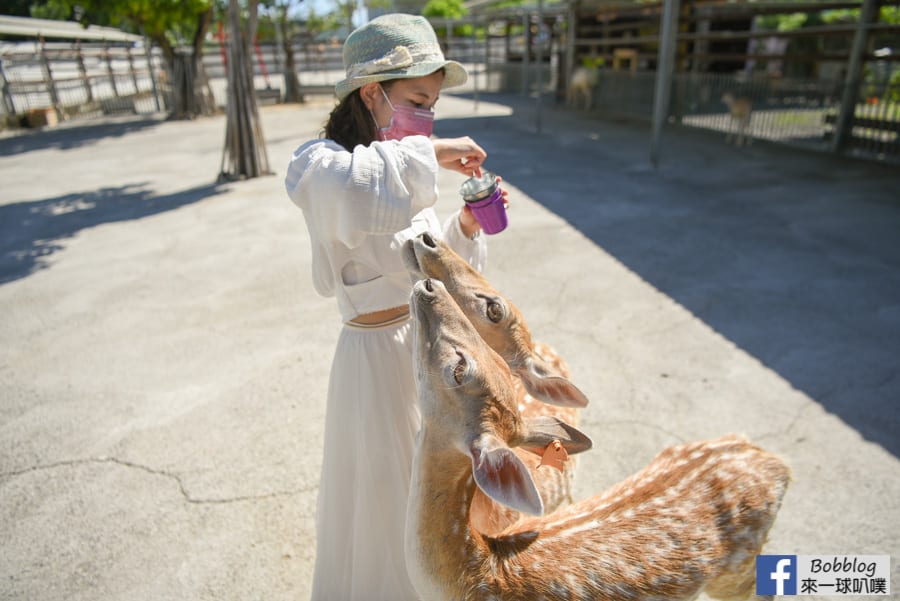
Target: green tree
447, 9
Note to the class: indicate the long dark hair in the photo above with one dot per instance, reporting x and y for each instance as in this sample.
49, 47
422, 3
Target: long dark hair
351, 123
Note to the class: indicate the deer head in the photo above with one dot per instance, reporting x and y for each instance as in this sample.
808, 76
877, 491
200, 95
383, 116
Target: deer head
467, 399
498, 321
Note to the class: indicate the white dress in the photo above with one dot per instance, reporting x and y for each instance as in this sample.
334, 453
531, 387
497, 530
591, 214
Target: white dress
359, 208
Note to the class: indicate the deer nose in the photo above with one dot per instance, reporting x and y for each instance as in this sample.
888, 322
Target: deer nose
428, 240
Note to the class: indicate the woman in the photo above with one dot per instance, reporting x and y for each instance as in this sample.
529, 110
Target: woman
365, 189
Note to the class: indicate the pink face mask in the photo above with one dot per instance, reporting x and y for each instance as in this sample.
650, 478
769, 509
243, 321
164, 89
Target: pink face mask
406, 121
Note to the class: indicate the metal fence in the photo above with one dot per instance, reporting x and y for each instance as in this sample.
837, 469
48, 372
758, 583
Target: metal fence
800, 112
89, 79
75, 79
790, 111
319, 66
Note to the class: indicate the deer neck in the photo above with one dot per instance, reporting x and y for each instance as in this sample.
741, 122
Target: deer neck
439, 539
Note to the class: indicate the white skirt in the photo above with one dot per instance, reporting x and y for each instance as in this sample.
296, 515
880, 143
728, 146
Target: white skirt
371, 422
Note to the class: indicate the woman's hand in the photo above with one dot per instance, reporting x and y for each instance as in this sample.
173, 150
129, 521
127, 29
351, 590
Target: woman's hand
467, 223
459, 154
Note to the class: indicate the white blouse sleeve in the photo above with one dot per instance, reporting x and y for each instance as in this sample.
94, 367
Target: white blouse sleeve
473, 251
375, 189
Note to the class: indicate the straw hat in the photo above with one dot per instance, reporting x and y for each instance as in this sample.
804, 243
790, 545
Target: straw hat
395, 46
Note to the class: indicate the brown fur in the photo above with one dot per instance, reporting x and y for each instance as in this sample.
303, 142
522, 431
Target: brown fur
693, 519
741, 111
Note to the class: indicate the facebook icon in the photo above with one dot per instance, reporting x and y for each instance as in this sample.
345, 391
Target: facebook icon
776, 575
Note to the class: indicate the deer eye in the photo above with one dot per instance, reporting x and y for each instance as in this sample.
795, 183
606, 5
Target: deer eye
495, 311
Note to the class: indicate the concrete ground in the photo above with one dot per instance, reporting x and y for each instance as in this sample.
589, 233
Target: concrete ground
164, 358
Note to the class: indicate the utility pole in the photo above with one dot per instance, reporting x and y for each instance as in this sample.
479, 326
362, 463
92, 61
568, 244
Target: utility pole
842, 129
665, 64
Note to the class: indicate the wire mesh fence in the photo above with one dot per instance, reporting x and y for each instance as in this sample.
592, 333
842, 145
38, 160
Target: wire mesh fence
801, 112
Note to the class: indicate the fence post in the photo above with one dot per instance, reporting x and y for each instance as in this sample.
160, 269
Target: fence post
48, 76
487, 57
571, 32
664, 65
842, 128
149, 52
448, 34
472, 57
539, 58
7, 95
276, 53
526, 50
82, 70
109, 69
134, 80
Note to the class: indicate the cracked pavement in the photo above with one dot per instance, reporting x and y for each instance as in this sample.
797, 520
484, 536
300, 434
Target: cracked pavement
164, 360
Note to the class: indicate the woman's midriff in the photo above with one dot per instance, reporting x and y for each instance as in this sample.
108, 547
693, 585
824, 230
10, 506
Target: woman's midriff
379, 317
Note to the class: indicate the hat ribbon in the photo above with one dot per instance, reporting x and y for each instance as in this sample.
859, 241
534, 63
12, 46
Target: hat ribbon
398, 58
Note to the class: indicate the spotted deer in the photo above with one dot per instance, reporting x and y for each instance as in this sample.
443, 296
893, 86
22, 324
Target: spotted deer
540, 373
693, 520
740, 111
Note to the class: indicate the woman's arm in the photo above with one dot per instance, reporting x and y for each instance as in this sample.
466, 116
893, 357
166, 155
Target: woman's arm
375, 189
471, 248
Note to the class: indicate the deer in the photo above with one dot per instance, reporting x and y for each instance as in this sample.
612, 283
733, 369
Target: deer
544, 374
740, 110
542, 382
692, 521
581, 86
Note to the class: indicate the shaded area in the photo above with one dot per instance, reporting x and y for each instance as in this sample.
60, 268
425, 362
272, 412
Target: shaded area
792, 256
68, 137
30, 232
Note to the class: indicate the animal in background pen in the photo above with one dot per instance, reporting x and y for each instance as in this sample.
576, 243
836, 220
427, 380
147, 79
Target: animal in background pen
740, 112
581, 87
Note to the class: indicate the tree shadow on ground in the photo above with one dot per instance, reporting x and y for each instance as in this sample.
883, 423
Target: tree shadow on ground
792, 256
75, 136
31, 232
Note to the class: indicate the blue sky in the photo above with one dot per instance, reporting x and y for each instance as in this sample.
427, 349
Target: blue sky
323, 7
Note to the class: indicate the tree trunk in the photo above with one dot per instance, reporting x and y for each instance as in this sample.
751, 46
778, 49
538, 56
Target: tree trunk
190, 93
185, 104
244, 155
203, 91
292, 91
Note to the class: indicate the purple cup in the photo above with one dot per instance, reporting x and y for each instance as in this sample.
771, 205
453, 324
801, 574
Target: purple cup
485, 198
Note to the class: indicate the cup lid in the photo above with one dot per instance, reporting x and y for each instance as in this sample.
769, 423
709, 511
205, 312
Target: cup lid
476, 188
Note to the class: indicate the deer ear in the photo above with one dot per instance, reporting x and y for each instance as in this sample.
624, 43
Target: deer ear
548, 387
543, 430
502, 476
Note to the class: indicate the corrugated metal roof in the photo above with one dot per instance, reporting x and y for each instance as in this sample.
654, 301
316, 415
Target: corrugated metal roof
69, 30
